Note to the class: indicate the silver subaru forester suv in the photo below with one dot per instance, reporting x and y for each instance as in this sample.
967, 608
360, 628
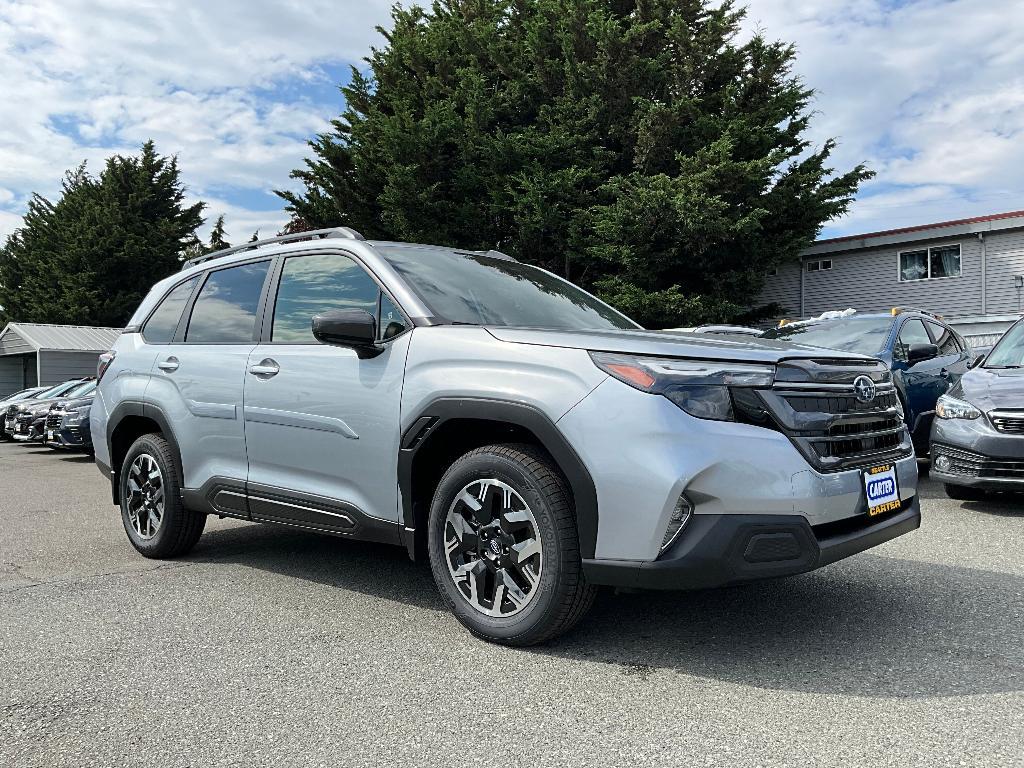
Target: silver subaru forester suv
526, 439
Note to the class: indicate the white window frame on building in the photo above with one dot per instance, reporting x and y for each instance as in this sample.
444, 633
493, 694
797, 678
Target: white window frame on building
928, 261
818, 265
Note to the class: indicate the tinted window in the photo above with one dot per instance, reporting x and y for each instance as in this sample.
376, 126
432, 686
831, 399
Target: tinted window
912, 332
313, 284
863, 335
478, 289
162, 323
944, 339
225, 310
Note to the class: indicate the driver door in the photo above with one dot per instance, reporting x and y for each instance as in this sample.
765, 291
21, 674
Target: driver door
321, 422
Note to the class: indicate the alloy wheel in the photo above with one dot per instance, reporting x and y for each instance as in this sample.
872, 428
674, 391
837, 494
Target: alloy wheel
493, 548
145, 502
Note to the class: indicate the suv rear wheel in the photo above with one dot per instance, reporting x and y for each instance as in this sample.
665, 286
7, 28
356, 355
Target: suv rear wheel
503, 546
156, 521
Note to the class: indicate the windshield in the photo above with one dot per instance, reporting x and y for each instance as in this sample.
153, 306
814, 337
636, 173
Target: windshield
1009, 350
24, 394
82, 390
863, 335
56, 391
476, 289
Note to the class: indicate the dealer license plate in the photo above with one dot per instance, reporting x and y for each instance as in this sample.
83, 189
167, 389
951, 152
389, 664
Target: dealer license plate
882, 488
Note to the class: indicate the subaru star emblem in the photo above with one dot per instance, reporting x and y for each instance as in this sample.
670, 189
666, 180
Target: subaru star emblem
864, 388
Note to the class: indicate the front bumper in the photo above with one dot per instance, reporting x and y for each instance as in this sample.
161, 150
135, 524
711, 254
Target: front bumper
722, 549
71, 437
979, 455
28, 432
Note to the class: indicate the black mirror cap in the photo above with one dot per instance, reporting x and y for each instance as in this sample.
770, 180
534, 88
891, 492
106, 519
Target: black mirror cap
976, 362
920, 352
354, 328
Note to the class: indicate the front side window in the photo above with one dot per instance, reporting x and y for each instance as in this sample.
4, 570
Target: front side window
318, 283
930, 263
912, 332
225, 310
481, 289
163, 322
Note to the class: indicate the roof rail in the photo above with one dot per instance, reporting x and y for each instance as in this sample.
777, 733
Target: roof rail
900, 310
313, 234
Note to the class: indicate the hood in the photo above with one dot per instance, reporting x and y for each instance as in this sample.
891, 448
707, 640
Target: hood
670, 344
78, 402
992, 388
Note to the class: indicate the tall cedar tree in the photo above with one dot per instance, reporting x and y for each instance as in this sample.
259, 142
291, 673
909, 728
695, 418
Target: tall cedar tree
638, 148
91, 256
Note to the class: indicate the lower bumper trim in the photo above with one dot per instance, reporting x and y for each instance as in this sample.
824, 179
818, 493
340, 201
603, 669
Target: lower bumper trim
718, 550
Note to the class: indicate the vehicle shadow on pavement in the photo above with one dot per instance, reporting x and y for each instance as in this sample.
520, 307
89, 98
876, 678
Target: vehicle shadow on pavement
868, 626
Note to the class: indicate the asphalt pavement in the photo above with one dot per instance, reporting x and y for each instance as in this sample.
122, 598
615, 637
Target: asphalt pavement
270, 646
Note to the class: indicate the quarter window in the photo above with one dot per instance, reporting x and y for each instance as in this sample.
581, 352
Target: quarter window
163, 322
225, 310
321, 282
930, 263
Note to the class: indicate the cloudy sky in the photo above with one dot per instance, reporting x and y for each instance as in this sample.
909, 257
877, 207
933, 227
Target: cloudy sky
929, 93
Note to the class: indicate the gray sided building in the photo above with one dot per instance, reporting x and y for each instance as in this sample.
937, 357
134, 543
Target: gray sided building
33, 353
970, 271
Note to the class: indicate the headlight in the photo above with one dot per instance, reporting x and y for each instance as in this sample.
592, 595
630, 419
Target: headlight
702, 388
952, 408
75, 416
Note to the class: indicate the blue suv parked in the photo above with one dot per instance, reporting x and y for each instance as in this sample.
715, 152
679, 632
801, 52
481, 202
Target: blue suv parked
925, 355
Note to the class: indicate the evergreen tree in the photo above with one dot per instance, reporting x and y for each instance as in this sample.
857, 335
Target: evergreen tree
636, 147
218, 236
93, 255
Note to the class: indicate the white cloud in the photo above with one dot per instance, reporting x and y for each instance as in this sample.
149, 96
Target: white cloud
930, 93
220, 84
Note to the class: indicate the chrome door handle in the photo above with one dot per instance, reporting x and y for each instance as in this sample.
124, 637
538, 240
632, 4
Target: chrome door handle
170, 364
266, 368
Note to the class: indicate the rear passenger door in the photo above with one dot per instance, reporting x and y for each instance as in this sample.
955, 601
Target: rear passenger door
322, 423
197, 378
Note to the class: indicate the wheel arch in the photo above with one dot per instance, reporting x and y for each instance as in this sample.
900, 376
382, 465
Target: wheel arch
127, 422
449, 427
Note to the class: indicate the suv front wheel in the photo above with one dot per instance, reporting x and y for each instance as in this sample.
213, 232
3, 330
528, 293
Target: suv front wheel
503, 546
156, 521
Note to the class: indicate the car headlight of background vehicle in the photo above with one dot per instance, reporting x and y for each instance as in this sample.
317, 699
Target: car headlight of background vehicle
703, 388
954, 408
75, 416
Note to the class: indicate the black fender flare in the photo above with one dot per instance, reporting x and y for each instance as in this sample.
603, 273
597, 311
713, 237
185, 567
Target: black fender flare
446, 409
125, 409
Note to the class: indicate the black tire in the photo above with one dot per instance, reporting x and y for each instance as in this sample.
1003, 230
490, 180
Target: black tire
562, 594
179, 529
963, 492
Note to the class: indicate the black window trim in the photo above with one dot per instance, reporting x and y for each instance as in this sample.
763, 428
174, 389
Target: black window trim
266, 324
186, 315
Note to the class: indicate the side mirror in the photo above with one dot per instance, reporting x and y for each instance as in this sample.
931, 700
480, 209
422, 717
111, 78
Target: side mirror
920, 352
977, 361
354, 328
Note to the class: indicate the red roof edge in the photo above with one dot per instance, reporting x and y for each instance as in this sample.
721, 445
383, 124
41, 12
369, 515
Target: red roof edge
922, 227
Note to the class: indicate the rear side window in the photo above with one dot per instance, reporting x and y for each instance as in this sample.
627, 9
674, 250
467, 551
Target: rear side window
160, 327
225, 310
945, 340
317, 283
